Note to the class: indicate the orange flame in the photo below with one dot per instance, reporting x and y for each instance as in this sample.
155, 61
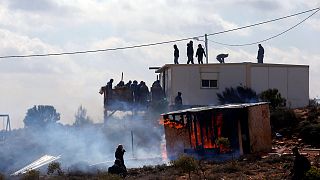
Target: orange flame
171, 124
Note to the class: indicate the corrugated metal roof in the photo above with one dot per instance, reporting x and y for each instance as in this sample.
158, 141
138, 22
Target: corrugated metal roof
205, 108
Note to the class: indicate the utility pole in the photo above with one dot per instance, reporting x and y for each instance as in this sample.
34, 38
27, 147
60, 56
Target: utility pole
206, 45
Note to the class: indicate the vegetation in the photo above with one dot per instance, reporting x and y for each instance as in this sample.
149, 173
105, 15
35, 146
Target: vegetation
107, 176
237, 95
40, 116
1, 176
313, 173
186, 164
31, 175
54, 167
274, 97
81, 118
282, 120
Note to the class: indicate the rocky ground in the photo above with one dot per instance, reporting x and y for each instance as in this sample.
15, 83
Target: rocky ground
274, 165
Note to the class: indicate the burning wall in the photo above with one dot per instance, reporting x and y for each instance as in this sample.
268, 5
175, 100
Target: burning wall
247, 128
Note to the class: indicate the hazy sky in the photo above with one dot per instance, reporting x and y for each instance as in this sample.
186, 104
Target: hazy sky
66, 82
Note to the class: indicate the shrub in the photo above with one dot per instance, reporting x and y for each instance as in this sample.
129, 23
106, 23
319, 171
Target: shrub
282, 118
161, 167
31, 175
107, 176
186, 163
274, 97
311, 133
54, 166
237, 95
313, 174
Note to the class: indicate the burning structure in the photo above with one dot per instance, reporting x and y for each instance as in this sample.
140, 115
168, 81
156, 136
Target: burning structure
197, 130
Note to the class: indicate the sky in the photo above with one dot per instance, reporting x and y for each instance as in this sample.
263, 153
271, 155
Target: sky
66, 82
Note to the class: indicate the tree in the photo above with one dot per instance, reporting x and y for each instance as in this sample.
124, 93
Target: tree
81, 118
40, 116
237, 95
274, 97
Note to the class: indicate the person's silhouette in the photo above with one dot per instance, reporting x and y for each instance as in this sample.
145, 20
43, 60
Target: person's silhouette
260, 54
200, 52
176, 54
190, 52
221, 57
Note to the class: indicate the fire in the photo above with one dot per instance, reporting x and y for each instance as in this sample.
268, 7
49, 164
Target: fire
171, 124
202, 133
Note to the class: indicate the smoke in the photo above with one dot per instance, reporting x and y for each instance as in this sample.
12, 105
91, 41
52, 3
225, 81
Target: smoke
89, 147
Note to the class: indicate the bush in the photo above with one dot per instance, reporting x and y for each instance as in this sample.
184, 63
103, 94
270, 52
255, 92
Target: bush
31, 175
54, 166
107, 176
237, 95
310, 133
186, 163
282, 118
313, 174
274, 97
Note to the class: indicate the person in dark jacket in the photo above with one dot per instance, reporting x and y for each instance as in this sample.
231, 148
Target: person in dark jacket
117, 168
176, 54
200, 52
119, 155
190, 52
221, 57
178, 101
301, 165
260, 54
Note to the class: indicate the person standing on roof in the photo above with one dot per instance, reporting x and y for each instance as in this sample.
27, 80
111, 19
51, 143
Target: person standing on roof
200, 52
260, 54
176, 54
190, 52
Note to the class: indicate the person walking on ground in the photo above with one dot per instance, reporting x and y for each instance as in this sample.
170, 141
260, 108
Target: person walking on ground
301, 165
260, 54
176, 54
221, 57
190, 52
200, 52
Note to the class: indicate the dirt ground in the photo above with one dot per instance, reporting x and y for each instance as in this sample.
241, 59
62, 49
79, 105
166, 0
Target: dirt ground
275, 165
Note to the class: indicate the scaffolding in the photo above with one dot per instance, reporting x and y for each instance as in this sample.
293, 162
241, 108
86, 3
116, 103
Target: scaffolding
6, 126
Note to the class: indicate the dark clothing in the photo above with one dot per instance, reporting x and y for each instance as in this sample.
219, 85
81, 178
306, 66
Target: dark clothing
119, 155
260, 54
300, 167
221, 57
178, 102
200, 52
109, 85
135, 93
157, 93
143, 94
176, 55
190, 53
116, 169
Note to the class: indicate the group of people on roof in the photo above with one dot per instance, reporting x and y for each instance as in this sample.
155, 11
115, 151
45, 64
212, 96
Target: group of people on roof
201, 52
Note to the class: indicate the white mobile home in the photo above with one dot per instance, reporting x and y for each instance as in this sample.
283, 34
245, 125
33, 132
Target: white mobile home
199, 83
